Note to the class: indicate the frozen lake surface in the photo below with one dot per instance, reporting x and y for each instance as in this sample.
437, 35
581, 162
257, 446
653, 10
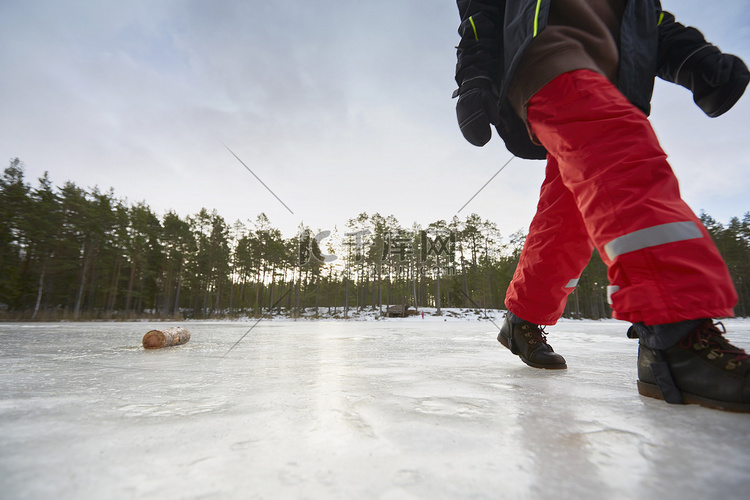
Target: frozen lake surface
393, 409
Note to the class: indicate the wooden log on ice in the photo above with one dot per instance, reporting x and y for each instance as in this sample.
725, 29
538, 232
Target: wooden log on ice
156, 339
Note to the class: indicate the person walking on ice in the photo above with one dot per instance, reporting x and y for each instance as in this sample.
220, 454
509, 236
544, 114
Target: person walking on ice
570, 81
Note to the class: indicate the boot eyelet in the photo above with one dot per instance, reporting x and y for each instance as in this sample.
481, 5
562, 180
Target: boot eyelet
702, 344
713, 354
532, 342
731, 364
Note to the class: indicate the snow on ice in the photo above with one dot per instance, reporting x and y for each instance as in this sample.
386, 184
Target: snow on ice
388, 409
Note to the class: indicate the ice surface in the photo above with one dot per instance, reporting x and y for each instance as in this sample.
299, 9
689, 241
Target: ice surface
392, 409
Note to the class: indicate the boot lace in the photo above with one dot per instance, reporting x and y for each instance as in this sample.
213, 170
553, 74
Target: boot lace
708, 336
542, 335
537, 333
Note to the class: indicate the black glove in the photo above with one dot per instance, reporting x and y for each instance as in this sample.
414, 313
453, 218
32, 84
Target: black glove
717, 80
476, 109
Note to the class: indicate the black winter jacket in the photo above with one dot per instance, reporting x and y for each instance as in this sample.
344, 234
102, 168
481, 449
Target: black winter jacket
495, 33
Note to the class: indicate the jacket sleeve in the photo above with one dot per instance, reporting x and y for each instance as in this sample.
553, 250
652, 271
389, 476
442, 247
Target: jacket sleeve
677, 43
480, 51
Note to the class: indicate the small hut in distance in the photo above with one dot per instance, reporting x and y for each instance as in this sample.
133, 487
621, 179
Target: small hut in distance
401, 311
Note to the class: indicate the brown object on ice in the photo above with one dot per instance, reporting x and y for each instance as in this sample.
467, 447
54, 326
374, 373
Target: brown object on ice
156, 339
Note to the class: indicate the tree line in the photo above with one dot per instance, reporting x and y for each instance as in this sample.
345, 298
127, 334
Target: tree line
71, 253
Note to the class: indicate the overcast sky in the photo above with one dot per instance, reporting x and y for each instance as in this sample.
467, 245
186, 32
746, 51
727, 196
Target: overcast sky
338, 107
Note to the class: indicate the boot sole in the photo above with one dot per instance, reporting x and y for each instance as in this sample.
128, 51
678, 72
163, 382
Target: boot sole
505, 343
652, 391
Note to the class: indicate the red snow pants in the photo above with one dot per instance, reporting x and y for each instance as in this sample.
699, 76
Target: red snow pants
608, 185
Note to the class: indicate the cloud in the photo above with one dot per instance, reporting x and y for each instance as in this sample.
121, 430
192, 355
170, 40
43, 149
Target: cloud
339, 107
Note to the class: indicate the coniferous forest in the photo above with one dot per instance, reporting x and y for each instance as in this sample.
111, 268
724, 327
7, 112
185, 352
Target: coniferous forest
69, 253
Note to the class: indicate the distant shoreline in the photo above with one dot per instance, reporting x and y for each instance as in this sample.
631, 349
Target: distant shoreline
426, 313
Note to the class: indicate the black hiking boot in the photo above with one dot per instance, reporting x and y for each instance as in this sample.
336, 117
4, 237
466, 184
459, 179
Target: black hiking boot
703, 368
530, 343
